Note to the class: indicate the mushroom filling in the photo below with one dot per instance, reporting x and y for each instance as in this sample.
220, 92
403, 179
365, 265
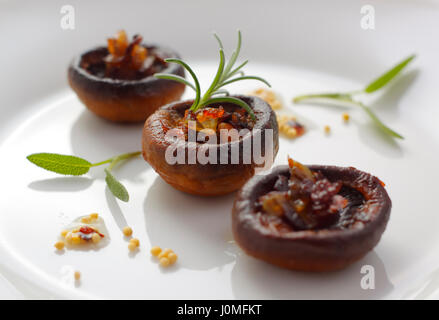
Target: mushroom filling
216, 121
307, 200
125, 60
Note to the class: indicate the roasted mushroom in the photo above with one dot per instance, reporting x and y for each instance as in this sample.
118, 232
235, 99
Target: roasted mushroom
231, 128
215, 177
315, 218
116, 82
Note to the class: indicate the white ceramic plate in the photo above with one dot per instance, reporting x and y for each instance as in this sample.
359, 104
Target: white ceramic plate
300, 47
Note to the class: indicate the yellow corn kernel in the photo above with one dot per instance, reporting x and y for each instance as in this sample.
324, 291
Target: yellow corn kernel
155, 251
64, 233
164, 253
95, 238
291, 132
77, 275
327, 129
132, 246
76, 239
127, 231
345, 117
172, 257
85, 220
59, 245
164, 262
94, 216
269, 97
135, 241
69, 237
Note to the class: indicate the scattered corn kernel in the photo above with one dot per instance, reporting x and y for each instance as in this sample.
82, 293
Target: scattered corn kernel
135, 241
345, 117
165, 253
94, 216
86, 219
289, 126
155, 251
164, 262
327, 129
76, 239
268, 96
95, 238
59, 245
127, 231
69, 237
77, 275
64, 233
172, 257
132, 246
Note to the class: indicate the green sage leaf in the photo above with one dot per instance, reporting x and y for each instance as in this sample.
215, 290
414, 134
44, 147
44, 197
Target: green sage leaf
116, 188
62, 164
388, 76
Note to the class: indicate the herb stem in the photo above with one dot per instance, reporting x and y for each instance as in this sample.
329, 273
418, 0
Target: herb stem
347, 99
223, 77
114, 160
339, 96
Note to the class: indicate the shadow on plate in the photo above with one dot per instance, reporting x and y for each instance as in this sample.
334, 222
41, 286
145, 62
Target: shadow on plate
255, 279
380, 142
96, 139
61, 184
115, 209
429, 288
197, 226
388, 101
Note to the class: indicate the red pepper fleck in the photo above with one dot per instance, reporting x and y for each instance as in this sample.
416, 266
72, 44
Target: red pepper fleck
88, 230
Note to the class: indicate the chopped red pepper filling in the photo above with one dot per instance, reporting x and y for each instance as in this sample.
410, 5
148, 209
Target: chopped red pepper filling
306, 200
216, 119
130, 60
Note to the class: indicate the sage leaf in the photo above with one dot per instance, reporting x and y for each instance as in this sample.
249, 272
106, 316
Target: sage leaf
62, 164
388, 76
116, 188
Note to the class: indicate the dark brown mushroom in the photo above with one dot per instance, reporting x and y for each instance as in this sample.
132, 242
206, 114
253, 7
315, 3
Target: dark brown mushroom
124, 100
206, 179
356, 231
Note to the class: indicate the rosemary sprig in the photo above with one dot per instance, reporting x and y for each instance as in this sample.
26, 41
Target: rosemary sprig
375, 85
76, 166
225, 75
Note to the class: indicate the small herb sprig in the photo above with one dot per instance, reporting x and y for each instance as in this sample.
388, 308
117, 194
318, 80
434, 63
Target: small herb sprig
375, 85
226, 74
76, 166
